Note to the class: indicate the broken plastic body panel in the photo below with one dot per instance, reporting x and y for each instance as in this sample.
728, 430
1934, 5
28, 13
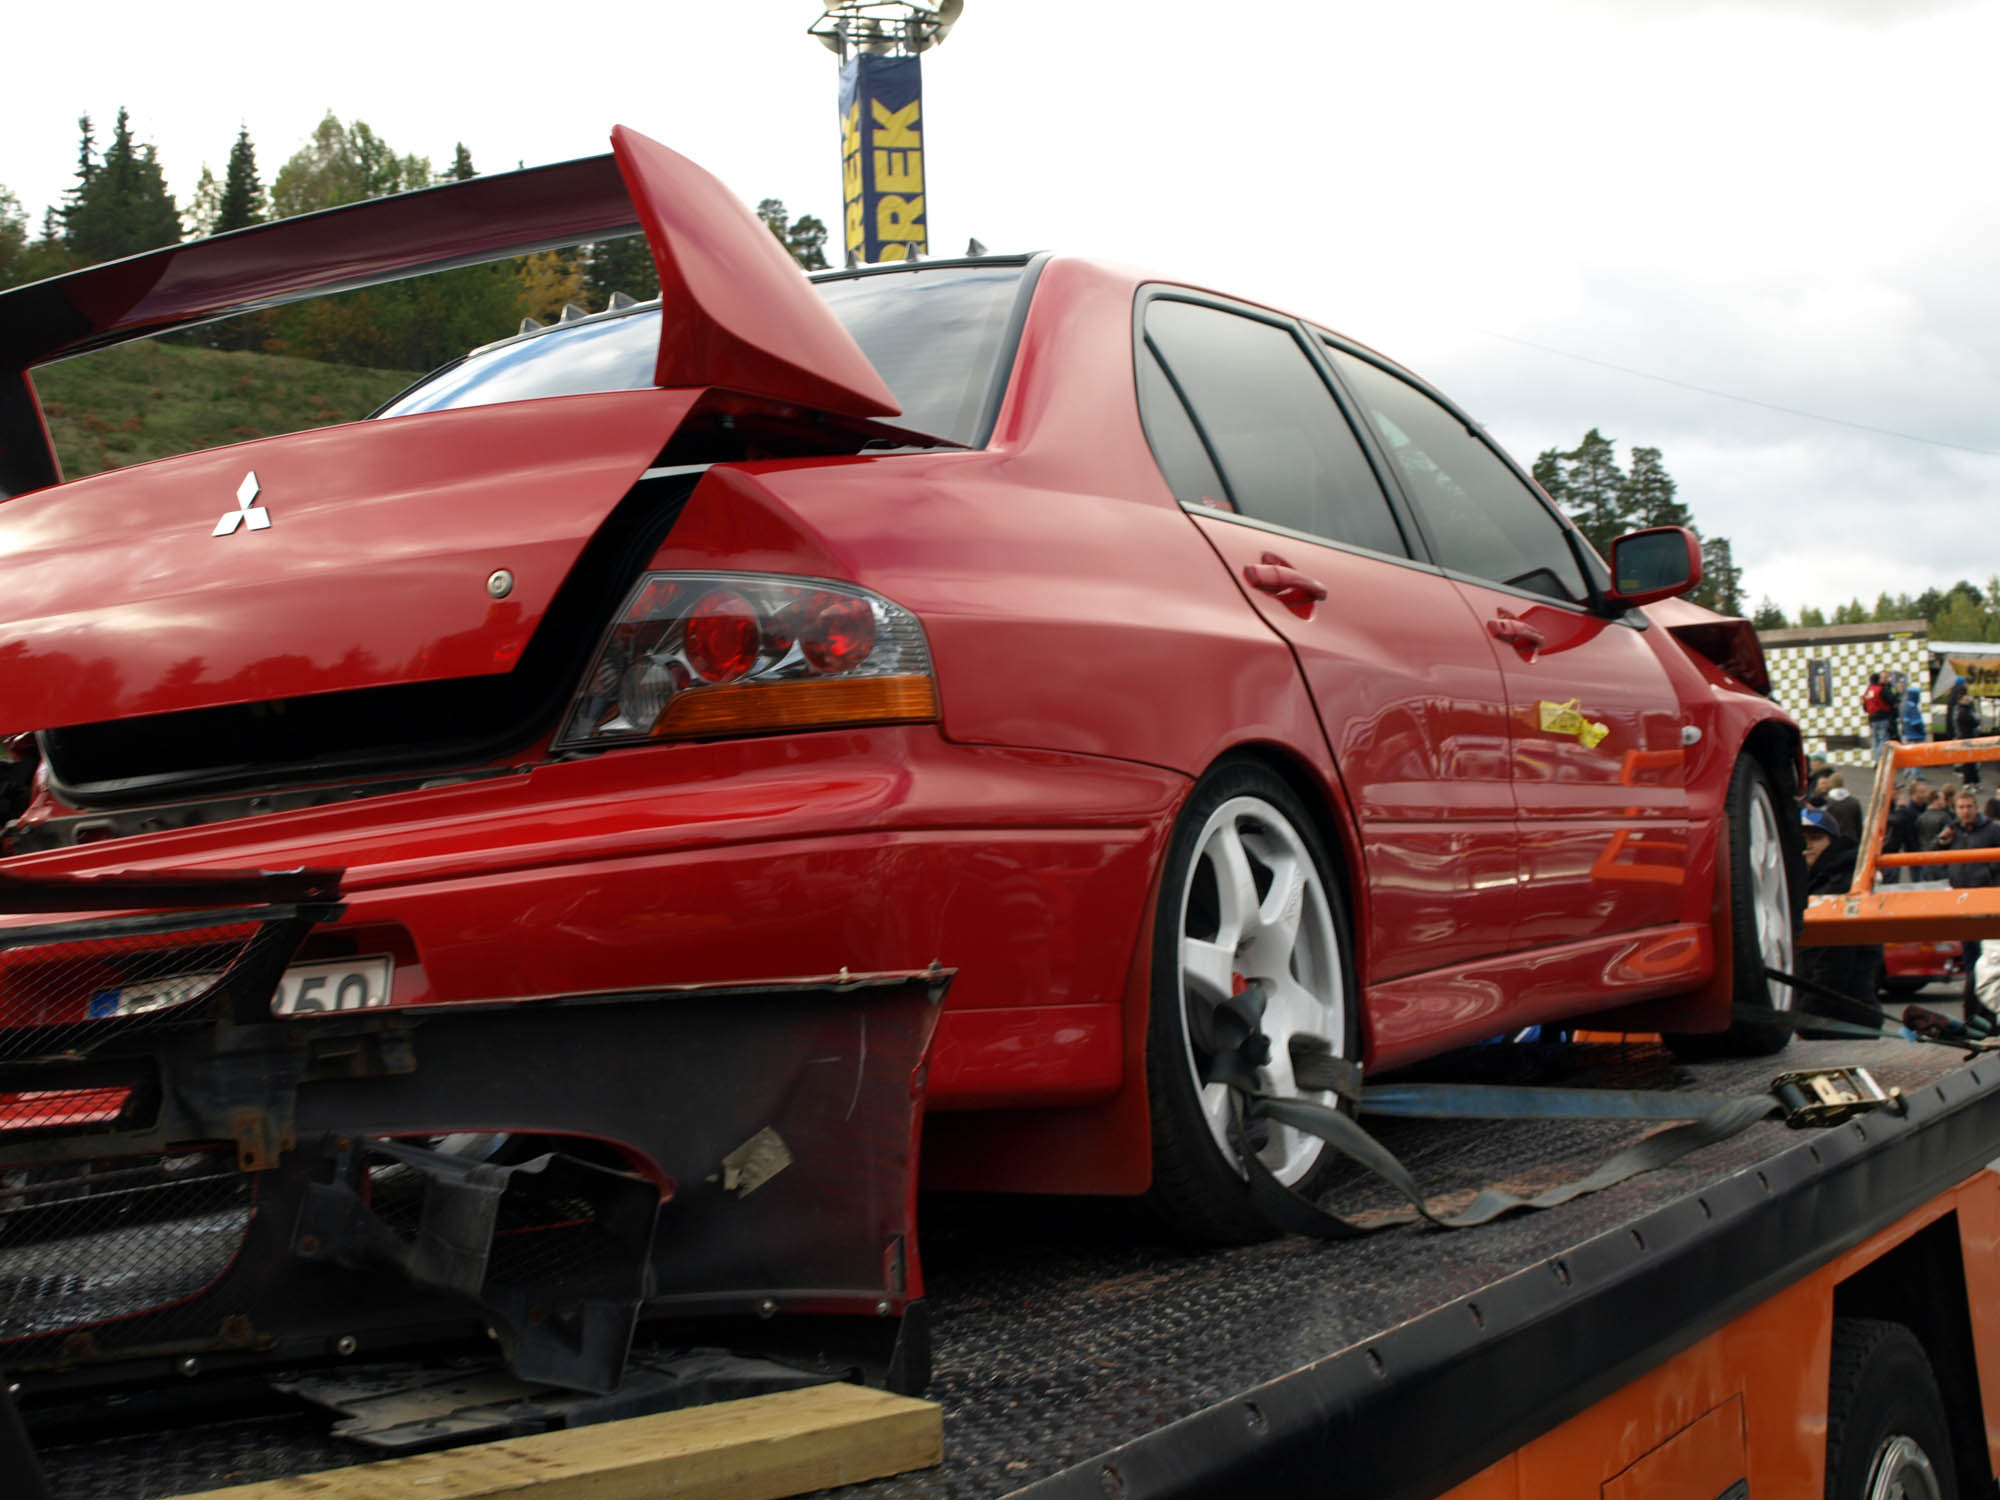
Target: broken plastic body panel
283, 1183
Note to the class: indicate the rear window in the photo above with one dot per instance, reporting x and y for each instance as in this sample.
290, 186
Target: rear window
936, 335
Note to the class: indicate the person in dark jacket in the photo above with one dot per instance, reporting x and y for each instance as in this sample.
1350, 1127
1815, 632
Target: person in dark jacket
1961, 722
1933, 812
1900, 837
1846, 971
1971, 829
1843, 805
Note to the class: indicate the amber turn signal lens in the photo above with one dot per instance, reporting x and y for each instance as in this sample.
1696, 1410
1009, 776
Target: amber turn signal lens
799, 705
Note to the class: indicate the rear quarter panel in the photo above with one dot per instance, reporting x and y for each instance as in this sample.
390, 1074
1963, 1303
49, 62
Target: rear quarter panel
1070, 603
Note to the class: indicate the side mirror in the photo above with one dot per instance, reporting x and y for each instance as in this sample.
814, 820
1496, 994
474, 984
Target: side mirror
1656, 563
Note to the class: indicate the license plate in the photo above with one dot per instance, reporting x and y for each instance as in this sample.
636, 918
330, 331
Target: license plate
338, 984
305, 989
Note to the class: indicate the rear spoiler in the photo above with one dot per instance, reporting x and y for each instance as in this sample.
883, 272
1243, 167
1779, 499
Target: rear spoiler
738, 312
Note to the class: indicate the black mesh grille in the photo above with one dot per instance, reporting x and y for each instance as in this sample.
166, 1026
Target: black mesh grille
86, 1245
69, 1000
90, 1245
111, 1224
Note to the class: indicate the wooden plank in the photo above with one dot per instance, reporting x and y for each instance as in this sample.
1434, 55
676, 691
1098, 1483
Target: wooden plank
760, 1448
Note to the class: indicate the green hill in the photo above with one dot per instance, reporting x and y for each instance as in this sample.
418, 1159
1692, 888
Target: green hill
147, 400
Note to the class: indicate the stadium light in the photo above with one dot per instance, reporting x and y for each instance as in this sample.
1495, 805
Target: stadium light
884, 28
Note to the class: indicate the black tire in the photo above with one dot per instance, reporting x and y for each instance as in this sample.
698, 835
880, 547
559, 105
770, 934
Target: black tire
1199, 1187
1763, 1023
1885, 1416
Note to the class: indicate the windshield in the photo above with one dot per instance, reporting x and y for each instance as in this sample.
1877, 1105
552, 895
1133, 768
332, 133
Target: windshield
935, 334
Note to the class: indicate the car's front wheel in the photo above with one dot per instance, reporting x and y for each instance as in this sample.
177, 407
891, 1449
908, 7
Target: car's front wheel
1247, 902
1766, 881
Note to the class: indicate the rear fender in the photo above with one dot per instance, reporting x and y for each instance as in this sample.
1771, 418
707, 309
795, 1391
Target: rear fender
1107, 1148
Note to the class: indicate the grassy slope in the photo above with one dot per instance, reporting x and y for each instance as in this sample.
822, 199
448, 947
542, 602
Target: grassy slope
147, 400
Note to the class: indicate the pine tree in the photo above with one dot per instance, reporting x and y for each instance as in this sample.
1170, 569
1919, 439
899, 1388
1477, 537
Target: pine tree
1810, 618
621, 265
1648, 494
122, 206
1721, 587
243, 202
239, 202
1768, 616
198, 218
1589, 486
461, 166
804, 239
13, 237
1548, 472
86, 168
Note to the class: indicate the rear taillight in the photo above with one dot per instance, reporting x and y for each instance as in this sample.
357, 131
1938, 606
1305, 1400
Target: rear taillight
708, 654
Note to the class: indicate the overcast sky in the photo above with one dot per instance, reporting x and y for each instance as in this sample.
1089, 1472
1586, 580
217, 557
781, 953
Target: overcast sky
1790, 201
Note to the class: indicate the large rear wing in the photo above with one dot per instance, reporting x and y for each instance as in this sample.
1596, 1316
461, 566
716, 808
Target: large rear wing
739, 313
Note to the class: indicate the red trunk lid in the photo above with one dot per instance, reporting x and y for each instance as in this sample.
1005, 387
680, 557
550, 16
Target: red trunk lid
377, 564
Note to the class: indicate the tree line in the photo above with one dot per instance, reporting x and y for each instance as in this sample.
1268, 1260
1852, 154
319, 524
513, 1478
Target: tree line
118, 204
1963, 612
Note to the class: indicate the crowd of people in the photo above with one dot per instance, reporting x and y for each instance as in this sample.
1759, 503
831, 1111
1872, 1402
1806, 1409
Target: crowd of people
1920, 817
1896, 712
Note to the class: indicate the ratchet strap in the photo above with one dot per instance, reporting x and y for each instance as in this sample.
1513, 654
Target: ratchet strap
1843, 1015
1820, 1096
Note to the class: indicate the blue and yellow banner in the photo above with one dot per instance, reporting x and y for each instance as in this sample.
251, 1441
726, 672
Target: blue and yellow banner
882, 158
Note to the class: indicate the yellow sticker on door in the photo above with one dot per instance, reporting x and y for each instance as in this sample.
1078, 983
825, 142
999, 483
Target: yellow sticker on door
1565, 718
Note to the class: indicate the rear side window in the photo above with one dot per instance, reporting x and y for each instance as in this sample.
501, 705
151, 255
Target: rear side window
1478, 515
1177, 447
1285, 451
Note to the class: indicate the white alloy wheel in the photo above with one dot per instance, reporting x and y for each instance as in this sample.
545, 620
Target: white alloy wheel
1770, 895
1902, 1471
1254, 909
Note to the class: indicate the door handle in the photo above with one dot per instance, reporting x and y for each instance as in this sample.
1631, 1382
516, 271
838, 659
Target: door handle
1514, 631
1274, 576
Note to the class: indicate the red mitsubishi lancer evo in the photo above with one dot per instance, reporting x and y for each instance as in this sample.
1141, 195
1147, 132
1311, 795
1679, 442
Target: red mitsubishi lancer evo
529, 861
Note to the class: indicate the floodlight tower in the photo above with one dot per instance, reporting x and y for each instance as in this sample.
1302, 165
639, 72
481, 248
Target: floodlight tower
879, 44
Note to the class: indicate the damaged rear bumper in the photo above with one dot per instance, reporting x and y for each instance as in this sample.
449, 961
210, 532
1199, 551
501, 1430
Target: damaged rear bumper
207, 1185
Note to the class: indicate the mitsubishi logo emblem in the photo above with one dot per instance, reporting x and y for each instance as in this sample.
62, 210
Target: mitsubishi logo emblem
246, 513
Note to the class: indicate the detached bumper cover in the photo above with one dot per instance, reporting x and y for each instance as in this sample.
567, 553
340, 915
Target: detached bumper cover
209, 1180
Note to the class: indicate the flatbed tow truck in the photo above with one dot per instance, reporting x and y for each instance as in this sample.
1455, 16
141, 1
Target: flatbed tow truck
1673, 1335
1808, 1306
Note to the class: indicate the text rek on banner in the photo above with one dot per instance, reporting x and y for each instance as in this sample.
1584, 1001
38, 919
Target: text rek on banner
882, 158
